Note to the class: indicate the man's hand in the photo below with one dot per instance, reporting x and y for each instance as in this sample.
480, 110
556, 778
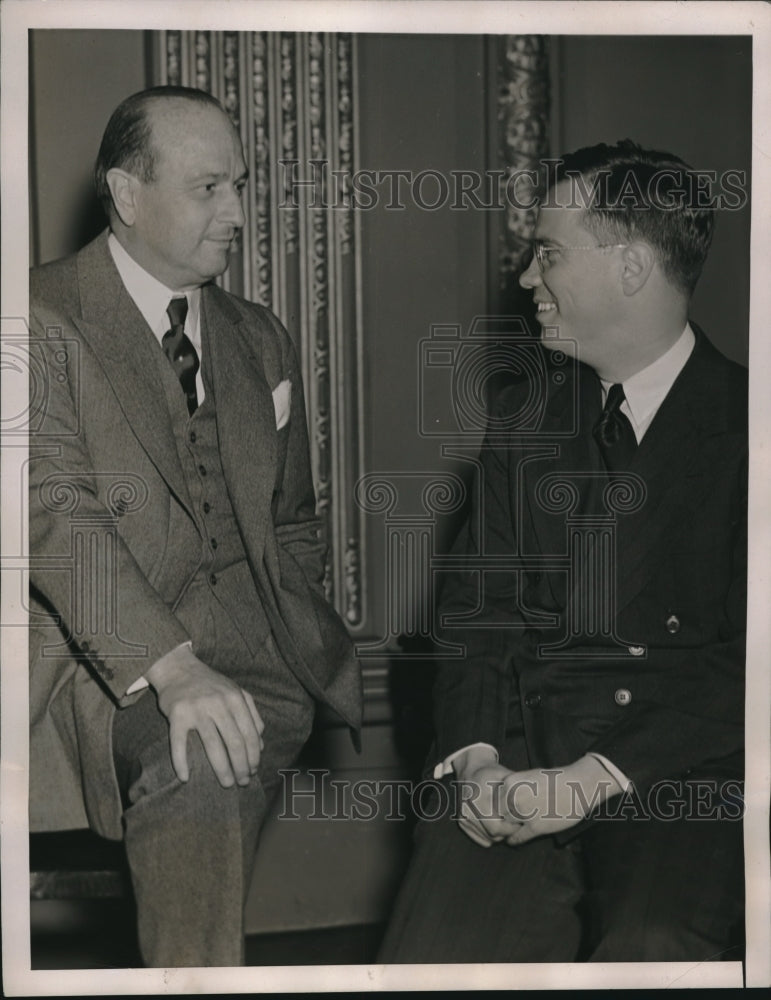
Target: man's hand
549, 800
480, 782
517, 806
193, 697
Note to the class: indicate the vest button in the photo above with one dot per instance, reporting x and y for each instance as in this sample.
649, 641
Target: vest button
213, 580
533, 700
192, 437
214, 543
673, 624
206, 507
622, 696
202, 469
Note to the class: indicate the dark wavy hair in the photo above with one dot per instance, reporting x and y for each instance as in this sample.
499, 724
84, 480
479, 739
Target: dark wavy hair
638, 193
127, 140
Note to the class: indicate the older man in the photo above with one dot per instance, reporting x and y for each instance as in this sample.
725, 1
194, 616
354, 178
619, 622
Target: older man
594, 725
190, 637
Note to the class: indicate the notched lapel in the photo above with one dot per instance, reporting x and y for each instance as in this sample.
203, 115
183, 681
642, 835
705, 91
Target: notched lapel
676, 461
127, 351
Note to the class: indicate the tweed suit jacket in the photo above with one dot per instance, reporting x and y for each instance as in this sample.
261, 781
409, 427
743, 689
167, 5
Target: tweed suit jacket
659, 693
102, 422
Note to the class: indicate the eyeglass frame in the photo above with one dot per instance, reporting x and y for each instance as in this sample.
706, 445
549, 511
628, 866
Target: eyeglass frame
539, 250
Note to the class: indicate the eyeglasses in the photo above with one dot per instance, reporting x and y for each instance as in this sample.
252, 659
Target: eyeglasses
541, 252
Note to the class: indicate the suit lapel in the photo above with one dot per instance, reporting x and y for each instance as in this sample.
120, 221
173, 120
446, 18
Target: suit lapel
246, 421
128, 352
673, 463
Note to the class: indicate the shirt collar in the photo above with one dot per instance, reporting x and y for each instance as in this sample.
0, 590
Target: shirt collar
645, 391
152, 296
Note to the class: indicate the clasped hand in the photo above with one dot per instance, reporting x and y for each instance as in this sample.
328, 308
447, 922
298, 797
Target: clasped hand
195, 698
498, 804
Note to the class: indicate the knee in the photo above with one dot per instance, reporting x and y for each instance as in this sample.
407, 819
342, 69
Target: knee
201, 795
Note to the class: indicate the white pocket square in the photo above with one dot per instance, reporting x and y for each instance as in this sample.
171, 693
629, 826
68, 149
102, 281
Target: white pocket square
282, 400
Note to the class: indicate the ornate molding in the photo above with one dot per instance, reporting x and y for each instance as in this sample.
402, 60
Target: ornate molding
523, 104
293, 98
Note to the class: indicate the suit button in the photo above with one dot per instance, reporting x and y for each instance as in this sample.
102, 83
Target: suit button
202, 469
637, 650
213, 580
622, 696
206, 507
192, 437
673, 624
533, 700
214, 543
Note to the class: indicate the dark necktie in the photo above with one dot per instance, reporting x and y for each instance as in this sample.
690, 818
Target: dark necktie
180, 351
613, 432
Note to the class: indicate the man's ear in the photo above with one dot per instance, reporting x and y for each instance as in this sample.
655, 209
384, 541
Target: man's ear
123, 188
638, 263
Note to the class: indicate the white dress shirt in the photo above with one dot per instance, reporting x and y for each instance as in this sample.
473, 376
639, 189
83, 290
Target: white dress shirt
644, 393
152, 299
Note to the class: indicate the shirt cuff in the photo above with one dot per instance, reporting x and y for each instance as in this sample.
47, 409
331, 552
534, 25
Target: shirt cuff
445, 766
620, 777
141, 682
139, 685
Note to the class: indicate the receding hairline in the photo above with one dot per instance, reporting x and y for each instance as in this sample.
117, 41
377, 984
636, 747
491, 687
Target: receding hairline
156, 104
157, 110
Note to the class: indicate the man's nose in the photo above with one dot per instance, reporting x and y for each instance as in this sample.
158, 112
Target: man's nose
531, 276
232, 210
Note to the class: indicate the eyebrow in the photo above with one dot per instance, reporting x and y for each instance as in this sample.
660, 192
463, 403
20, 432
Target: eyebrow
211, 175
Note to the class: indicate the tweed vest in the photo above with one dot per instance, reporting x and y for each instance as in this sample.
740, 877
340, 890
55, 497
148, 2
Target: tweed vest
220, 607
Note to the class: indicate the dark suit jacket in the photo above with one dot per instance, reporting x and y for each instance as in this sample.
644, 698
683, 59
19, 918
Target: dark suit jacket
663, 693
102, 417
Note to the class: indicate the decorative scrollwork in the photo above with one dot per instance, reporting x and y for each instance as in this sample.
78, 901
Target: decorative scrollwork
262, 267
523, 116
59, 493
230, 76
376, 495
352, 579
202, 55
345, 112
173, 53
556, 494
127, 495
625, 493
444, 495
288, 101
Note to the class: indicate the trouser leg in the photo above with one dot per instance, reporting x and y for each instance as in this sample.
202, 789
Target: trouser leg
191, 846
667, 889
461, 902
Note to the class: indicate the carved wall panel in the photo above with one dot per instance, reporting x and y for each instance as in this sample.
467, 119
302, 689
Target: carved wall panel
522, 132
293, 99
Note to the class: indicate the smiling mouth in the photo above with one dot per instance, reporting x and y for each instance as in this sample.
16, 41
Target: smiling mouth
542, 307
